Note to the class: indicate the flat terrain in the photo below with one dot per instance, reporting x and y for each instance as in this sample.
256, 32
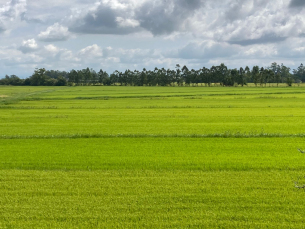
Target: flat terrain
151, 157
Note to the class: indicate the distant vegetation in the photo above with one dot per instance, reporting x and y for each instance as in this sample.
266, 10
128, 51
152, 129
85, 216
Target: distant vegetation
221, 75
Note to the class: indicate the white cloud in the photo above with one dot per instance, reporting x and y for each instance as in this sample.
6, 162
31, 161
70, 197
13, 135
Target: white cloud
51, 48
67, 57
249, 22
92, 51
28, 46
149, 33
10, 14
127, 22
55, 32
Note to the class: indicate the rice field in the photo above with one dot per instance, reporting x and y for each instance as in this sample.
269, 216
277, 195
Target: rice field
151, 157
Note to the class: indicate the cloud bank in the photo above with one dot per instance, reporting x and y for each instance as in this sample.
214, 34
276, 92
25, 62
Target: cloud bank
119, 34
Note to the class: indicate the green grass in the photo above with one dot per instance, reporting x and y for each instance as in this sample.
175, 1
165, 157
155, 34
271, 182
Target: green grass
164, 121
207, 154
150, 199
204, 111
151, 157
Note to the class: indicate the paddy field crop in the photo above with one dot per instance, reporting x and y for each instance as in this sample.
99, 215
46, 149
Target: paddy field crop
151, 157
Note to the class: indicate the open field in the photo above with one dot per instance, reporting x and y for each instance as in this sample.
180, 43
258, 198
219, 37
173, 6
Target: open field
151, 157
150, 199
151, 110
238, 154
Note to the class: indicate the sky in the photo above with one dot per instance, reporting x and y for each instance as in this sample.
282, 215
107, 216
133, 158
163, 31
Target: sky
136, 34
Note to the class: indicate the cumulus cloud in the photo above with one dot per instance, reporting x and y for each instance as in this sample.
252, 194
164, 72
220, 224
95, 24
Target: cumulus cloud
243, 22
241, 9
148, 33
28, 46
125, 17
92, 51
251, 22
51, 48
94, 54
10, 13
164, 17
61, 56
55, 32
127, 22
104, 19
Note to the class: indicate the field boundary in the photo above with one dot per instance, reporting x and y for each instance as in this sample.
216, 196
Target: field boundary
214, 135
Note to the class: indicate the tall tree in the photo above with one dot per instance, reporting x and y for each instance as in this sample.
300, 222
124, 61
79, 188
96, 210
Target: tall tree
299, 73
87, 76
255, 75
114, 78
103, 77
38, 78
277, 72
61, 81
73, 77
143, 77
80, 77
241, 78
94, 76
186, 75
178, 78
205, 76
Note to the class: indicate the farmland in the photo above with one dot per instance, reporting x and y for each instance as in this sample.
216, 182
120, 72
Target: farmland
151, 157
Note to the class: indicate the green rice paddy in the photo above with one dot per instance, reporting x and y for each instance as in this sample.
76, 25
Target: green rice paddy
151, 157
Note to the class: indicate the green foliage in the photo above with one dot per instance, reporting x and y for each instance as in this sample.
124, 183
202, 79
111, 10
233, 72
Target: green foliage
220, 74
289, 81
11, 80
61, 81
300, 72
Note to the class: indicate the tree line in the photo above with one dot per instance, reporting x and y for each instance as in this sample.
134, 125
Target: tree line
181, 76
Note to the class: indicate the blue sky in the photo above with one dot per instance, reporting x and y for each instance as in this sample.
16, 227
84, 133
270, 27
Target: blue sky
136, 34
